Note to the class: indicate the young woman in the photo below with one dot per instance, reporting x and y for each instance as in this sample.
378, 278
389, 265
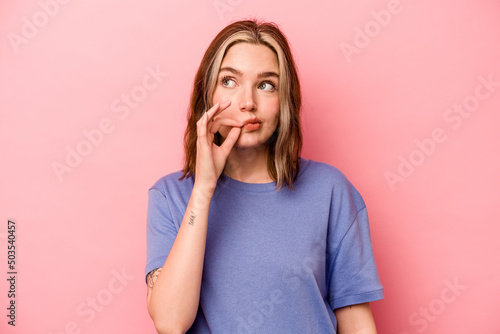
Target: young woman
249, 237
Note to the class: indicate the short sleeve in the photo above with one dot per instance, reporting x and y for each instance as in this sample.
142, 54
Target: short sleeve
353, 276
161, 230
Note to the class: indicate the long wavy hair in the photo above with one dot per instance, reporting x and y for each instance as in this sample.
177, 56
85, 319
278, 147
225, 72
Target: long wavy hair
285, 144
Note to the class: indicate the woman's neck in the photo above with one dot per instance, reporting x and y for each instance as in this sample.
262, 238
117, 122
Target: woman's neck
248, 165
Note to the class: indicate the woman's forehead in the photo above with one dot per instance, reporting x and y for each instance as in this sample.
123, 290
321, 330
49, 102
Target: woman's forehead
247, 57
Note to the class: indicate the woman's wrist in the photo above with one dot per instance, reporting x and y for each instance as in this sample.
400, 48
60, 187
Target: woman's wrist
201, 196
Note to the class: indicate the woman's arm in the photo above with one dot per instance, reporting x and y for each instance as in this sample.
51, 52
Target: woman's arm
355, 319
174, 290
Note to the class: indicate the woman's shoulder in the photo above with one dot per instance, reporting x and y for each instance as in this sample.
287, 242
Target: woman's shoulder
319, 169
326, 177
172, 183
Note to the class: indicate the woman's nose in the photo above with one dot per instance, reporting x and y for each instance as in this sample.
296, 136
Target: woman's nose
247, 101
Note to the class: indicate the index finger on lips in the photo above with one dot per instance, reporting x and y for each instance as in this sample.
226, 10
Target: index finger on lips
216, 125
208, 115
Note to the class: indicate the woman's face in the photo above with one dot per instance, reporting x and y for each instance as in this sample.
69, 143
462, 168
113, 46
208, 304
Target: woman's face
248, 77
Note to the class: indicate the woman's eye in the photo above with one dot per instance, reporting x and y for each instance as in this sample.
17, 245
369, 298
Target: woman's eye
227, 82
267, 86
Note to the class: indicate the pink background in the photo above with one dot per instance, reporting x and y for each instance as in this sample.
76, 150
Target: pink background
372, 101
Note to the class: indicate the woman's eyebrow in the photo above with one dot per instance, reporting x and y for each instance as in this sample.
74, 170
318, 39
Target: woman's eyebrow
232, 70
239, 73
268, 74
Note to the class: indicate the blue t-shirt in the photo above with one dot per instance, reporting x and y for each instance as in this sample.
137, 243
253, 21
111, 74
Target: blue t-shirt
275, 261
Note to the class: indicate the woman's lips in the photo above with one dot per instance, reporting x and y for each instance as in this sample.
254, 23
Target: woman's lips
252, 124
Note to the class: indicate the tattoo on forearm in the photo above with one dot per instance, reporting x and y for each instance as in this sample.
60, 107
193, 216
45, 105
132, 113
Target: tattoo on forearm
192, 217
152, 276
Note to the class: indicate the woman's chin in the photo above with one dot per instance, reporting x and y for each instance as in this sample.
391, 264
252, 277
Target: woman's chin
249, 143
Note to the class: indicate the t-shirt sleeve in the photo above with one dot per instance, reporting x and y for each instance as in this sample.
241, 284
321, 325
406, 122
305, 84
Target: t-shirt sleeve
353, 276
161, 230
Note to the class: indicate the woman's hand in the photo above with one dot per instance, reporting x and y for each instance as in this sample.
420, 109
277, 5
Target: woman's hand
174, 294
210, 158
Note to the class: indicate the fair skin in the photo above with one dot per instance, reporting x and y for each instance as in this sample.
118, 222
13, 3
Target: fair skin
245, 113
355, 319
249, 79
